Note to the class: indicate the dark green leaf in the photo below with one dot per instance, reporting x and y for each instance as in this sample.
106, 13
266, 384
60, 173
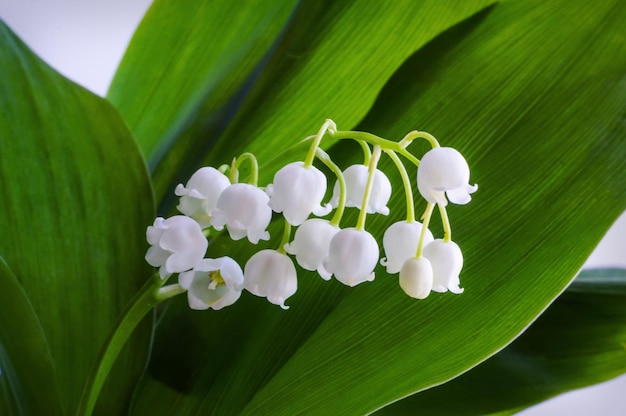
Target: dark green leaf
25, 362
580, 340
183, 68
76, 201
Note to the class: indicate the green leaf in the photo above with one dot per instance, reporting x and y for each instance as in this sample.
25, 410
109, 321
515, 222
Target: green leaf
536, 104
76, 201
333, 62
577, 342
25, 361
317, 67
183, 68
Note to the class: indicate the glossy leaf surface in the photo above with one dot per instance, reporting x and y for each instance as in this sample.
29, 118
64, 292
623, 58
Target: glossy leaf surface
535, 104
577, 342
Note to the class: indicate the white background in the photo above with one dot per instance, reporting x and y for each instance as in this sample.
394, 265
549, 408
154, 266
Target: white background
85, 40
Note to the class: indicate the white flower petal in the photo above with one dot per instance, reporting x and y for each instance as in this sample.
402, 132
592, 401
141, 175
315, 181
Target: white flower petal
199, 196
447, 261
177, 245
185, 279
353, 255
154, 232
156, 256
271, 274
297, 191
400, 242
444, 169
244, 210
356, 182
311, 243
207, 285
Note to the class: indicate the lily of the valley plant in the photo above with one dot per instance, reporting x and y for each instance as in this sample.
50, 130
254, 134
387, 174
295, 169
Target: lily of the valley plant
210, 199
205, 240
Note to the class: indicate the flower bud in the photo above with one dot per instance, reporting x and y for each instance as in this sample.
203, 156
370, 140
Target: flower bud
416, 277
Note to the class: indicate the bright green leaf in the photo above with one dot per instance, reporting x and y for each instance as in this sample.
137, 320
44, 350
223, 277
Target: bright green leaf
334, 60
577, 342
76, 201
535, 103
183, 70
25, 362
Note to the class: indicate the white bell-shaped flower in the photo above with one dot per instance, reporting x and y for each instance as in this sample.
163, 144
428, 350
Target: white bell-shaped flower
213, 283
244, 209
199, 197
400, 242
271, 274
443, 172
177, 244
297, 191
353, 255
356, 182
447, 261
416, 277
311, 244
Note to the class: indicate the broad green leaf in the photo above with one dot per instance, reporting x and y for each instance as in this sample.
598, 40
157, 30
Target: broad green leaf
535, 103
188, 70
76, 201
25, 361
577, 342
333, 62
183, 70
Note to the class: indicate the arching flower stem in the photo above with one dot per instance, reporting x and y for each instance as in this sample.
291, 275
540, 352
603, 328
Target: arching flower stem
286, 237
418, 135
146, 299
375, 140
428, 213
223, 168
325, 159
408, 191
367, 153
447, 231
254, 168
328, 126
360, 225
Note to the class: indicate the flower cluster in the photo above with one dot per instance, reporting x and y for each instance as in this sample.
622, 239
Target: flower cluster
212, 200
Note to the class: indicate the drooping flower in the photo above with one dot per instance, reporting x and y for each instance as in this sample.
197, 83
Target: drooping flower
356, 182
213, 283
297, 191
443, 172
353, 255
311, 244
177, 244
416, 277
199, 197
400, 242
447, 261
244, 210
271, 274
